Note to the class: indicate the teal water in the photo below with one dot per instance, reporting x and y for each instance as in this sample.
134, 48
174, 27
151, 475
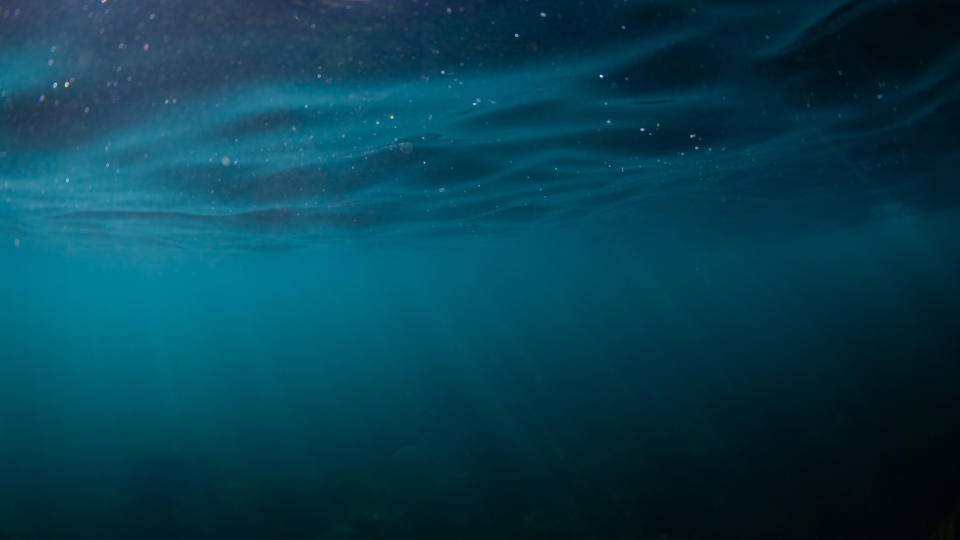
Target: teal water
384, 269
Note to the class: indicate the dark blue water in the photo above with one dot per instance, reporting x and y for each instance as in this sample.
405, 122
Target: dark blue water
334, 269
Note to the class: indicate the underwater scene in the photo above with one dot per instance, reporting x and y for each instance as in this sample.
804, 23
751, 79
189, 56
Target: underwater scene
479, 269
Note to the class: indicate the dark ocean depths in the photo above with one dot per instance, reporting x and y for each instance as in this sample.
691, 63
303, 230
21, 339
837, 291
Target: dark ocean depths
502, 269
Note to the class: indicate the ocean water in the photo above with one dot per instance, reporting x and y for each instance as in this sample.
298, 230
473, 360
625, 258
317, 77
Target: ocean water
408, 269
